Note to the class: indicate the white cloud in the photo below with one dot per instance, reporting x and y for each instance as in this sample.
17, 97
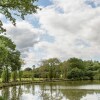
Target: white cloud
76, 29
25, 36
73, 24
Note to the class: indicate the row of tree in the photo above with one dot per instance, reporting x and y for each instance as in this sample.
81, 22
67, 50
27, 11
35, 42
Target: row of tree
10, 61
73, 69
53, 68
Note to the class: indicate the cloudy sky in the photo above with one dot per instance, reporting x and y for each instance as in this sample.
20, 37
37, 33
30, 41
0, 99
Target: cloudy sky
62, 29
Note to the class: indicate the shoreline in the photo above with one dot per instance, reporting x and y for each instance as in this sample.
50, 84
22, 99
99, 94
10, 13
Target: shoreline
3, 85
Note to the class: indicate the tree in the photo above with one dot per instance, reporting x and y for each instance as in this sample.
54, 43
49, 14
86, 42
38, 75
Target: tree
12, 8
75, 62
33, 72
15, 63
5, 75
75, 68
11, 60
27, 74
3, 54
92, 69
63, 68
27, 69
51, 64
76, 74
7, 45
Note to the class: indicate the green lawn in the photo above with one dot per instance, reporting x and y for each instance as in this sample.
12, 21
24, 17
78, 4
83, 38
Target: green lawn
26, 79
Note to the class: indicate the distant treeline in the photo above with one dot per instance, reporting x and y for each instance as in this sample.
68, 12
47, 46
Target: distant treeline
72, 69
53, 68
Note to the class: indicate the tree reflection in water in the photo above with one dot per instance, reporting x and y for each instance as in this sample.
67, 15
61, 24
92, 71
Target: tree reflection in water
11, 93
49, 91
5, 93
50, 94
94, 96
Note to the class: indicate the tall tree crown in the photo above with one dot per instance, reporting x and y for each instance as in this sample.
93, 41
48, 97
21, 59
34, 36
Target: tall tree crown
11, 8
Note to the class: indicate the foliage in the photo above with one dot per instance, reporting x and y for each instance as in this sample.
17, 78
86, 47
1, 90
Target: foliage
5, 75
75, 62
51, 64
1, 98
3, 53
10, 57
7, 42
14, 75
27, 69
73, 68
75, 73
12, 8
63, 68
15, 61
6, 47
27, 74
20, 75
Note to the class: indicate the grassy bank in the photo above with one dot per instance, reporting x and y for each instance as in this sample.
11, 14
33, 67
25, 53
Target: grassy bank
25, 81
2, 85
36, 80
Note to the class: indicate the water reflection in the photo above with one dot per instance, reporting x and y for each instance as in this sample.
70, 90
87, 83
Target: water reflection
53, 91
94, 96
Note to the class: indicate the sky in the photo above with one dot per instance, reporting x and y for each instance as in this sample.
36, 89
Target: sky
62, 29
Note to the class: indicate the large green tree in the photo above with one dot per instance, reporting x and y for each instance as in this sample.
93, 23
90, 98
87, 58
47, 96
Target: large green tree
10, 58
3, 54
6, 46
75, 68
12, 8
15, 63
52, 65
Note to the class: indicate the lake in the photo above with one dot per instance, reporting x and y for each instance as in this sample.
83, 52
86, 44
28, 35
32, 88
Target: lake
71, 90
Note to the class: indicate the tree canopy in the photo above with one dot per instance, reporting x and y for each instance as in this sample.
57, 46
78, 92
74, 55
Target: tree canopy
6, 46
12, 8
27, 69
71, 69
9, 58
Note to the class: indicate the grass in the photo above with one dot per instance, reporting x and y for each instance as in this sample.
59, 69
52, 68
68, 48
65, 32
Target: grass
23, 81
30, 79
0, 80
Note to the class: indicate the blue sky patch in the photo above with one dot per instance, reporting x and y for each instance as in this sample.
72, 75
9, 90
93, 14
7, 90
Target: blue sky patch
93, 4
47, 37
44, 3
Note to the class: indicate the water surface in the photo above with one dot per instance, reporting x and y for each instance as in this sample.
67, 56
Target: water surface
73, 90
